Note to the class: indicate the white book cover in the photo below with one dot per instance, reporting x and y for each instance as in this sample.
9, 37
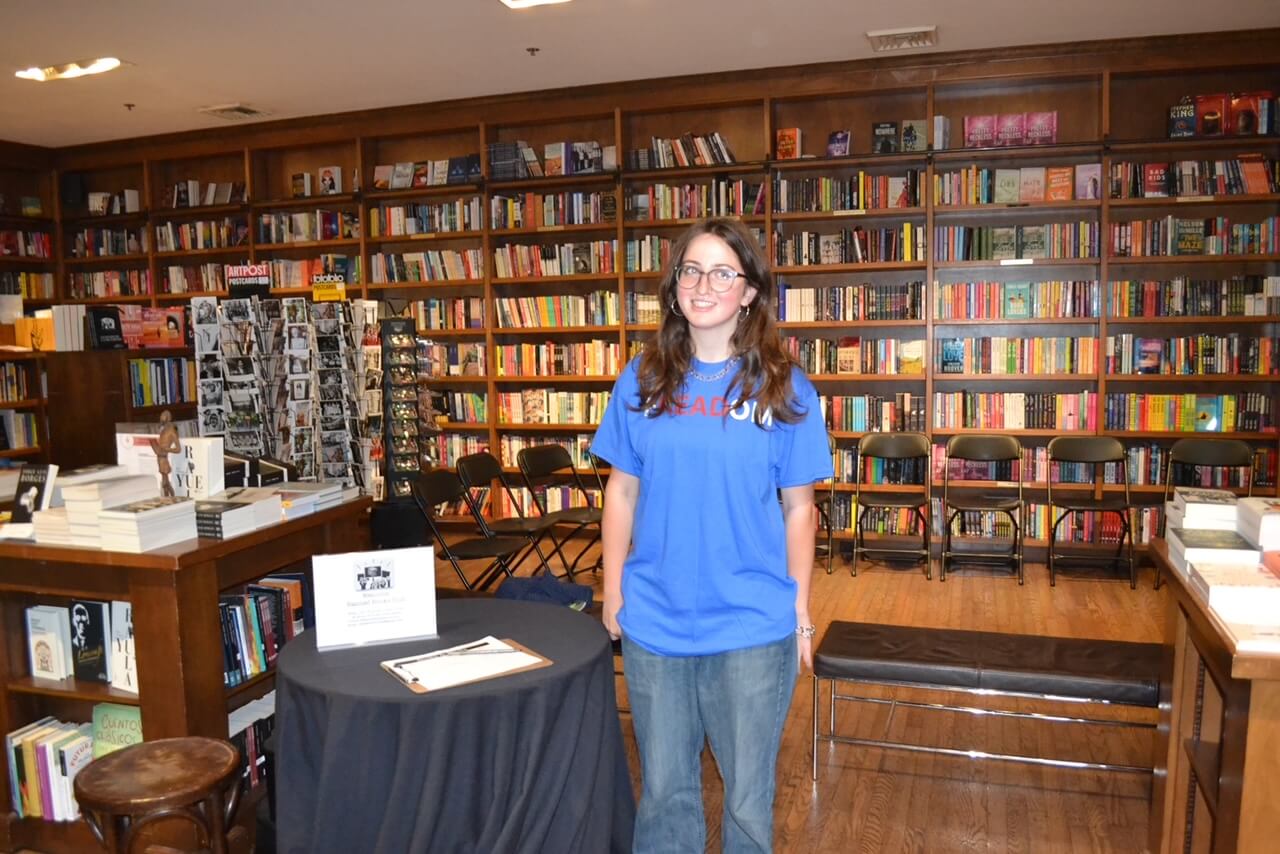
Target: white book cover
45, 643
205, 470
1238, 594
75, 755
124, 664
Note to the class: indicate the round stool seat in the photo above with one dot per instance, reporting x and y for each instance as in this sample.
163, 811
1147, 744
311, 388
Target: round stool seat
123, 791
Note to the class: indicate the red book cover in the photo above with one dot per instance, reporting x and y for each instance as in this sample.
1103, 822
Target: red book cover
1246, 113
979, 131
1155, 178
1040, 128
1211, 114
1009, 129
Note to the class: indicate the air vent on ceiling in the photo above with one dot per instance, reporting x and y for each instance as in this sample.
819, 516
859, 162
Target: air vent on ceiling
234, 112
904, 38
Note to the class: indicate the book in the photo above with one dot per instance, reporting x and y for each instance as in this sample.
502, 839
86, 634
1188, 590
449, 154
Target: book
1211, 114
1004, 242
221, 520
553, 158
115, 726
1031, 184
106, 329
401, 176
941, 133
32, 206
1182, 120
124, 665
300, 184
1191, 545
1007, 187
1040, 128
1150, 355
1155, 179
90, 640
34, 492
13, 752
1058, 183
204, 464
382, 176
838, 143
915, 135
1208, 413
1258, 521
1031, 241
979, 131
1009, 129
1017, 300
1248, 110
788, 143
1089, 181
330, 180
49, 642
1246, 594
884, 137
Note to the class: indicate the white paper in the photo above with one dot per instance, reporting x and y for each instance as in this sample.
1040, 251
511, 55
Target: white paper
374, 597
458, 665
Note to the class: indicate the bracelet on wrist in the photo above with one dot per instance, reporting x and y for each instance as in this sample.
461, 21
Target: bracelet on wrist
806, 631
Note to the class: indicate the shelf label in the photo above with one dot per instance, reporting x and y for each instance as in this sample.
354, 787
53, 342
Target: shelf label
856, 212
551, 228
1017, 262
1195, 198
328, 287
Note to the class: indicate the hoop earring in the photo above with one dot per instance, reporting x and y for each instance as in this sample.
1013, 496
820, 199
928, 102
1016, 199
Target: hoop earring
675, 308
746, 311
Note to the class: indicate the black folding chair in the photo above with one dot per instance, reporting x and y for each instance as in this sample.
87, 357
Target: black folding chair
544, 465
989, 449
1206, 452
897, 450
479, 471
441, 486
1094, 451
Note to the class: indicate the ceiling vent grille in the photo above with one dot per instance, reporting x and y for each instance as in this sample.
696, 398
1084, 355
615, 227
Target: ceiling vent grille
234, 112
904, 38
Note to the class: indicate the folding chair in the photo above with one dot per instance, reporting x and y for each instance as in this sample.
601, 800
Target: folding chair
1095, 451
481, 469
983, 448
542, 465
896, 449
441, 486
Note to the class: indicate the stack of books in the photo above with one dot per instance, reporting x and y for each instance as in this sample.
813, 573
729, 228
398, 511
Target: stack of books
85, 502
44, 758
52, 527
1238, 594
152, 523
302, 498
222, 520
1195, 545
1201, 509
1258, 522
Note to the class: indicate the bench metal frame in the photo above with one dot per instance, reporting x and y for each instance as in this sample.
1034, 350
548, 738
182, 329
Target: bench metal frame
831, 736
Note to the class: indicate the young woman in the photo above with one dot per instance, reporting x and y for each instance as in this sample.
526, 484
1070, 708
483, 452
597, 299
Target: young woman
706, 575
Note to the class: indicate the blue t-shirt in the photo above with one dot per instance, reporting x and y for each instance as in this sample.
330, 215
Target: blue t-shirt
708, 568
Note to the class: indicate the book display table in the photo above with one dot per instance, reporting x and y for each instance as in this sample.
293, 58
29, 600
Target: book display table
1218, 755
526, 762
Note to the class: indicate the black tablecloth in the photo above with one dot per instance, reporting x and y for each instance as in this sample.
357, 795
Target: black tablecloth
531, 762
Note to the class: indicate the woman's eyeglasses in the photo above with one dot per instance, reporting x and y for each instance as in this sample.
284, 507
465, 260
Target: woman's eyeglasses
720, 279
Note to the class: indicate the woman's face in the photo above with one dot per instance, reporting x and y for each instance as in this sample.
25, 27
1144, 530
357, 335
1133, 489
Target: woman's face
701, 305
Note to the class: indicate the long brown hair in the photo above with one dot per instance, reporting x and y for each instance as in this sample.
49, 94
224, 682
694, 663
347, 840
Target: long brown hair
764, 366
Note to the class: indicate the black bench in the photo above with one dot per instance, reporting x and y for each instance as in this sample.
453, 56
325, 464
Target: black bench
984, 663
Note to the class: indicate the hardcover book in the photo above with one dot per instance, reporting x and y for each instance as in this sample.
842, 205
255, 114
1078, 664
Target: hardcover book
1058, 183
1247, 113
1182, 120
553, 158
1031, 184
1030, 241
788, 143
884, 137
1009, 129
941, 133
123, 667
1017, 300
1150, 355
382, 176
106, 329
48, 644
1211, 114
915, 135
422, 174
115, 726
952, 356
979, 131
1040, 128
1007, 189
838, 144
330, 180
300, 184
1004, 242
402, 176
1155, 179
90, 637
1089, 181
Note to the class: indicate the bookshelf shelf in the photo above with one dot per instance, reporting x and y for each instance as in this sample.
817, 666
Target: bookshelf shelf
548, 428
183, 297
122, 298
1015, 321
454, 379
551, 280
132, 258
832, 164
164, 214
19, 404
342, 243
961, 431
1166, 260
868, 378
844, 324
1193, 378
26, 261
552, 181
425, 284
248, 690
243, 249
1016, 263
1182, 434
94, 692
1073, 378
27, 223
410, 193
1171, 320
335, 200
556, 378
1068, 150
553, 330
452, 333
15, 453
876, 267
463, 425
1206, 766
1197, 201
428, 237
106, 220
1182, 146
1017, 207
840, 216
146, 412
649, 176
658, 224
594, 227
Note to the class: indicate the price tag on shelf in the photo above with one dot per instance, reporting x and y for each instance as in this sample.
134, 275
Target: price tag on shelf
1017, 262
1195, 198
551, 228
856, 212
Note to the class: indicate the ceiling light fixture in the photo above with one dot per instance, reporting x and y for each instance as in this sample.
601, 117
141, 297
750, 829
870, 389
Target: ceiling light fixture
70, 70
902, 38
527, 4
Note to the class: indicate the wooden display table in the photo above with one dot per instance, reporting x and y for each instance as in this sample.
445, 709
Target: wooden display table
177, 634
1219, 748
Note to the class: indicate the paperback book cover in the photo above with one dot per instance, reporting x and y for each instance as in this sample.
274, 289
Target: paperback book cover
402, 176
1040, 128
1247, 112
1017, 300
115, 726
1211, 114
1058, 183
330, 180
90, 636
1008, 187
1089, 181
300, 184
1004, 242
106, 329
1182, 120
382, 176
788, 143
979, 131
1031, 184
34, 491
1031, 241
1150, 355
1009, 129
915, 135
1208, 413
884, 137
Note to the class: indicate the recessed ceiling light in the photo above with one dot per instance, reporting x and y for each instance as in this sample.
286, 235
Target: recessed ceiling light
69, 70
526, 4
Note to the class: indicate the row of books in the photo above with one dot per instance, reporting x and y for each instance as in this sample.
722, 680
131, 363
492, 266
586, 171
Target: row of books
719, 197
300, 273
448, 313
549, 406
686, 150
437, 359
858, 191
124, 201
307, 226
410, 219
187, 194
18, 430
1199, 355
874, 412
594, 309
589, 358
432, 266
982, 185
1010, 129
850, 246
1034, 463
555, 498
108, 283
26, 285
25, 244
546, 210
1181, 236
14, 382
1249, 412
447, 448
648, 254
256, 624
878, 470
577, 446
1248, 174
192, 278
1016, 410
1238, 296
464, 407
995, 243
870, 301
460, 169
1000, 356
202, 234
643, 308
1015, 300
1148, 465
105, 242
856, 356
162, 382
566, 259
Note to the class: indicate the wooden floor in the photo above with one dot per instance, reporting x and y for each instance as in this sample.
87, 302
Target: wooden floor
869, 800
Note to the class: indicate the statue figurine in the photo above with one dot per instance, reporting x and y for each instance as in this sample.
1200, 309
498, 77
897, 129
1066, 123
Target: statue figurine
165, 444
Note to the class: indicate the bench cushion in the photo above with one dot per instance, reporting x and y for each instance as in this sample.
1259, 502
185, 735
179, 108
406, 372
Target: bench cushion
1099, 670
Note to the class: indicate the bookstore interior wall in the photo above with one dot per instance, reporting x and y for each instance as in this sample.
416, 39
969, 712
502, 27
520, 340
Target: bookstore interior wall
1027, 243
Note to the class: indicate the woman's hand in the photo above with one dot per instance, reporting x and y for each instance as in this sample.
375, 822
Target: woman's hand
804, 653
612, 605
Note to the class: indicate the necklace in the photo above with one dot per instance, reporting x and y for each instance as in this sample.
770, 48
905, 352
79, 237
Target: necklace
718, 375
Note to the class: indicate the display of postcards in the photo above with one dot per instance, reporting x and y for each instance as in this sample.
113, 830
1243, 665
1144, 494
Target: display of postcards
295, 310
331, 409
404, 392
213, 421
204, 310
372, 380
210, 367
301, 414
328, 343
331, 378
331, 359
243, 440
400, 341
372, 358
326, 327
330, 422
401, 488
240, 367
297, 337
306, 465
300, 388
239, 339
271, 366
324, 311
207, 339
405, 462
237, 310
335, 471
404, 411
211, 393
269, 308
299, 363
372, 400
330, 393
330, 438
303, 437
243, 397
339, 453
404, 445
402, 376
401, 357
271, 333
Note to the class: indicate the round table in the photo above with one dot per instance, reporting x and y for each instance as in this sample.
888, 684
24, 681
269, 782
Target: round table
529, 762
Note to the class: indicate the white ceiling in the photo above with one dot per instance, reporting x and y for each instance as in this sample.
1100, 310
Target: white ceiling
308, 57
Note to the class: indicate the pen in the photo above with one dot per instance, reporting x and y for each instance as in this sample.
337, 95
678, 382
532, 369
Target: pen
478, 648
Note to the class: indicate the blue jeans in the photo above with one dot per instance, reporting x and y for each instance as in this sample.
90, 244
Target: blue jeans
738, 700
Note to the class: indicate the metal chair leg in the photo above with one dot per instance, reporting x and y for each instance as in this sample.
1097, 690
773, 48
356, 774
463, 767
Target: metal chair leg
857, 543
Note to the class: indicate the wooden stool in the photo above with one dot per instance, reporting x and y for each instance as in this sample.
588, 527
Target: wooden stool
169, 780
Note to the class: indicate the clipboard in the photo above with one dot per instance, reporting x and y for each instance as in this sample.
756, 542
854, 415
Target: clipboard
452, 663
